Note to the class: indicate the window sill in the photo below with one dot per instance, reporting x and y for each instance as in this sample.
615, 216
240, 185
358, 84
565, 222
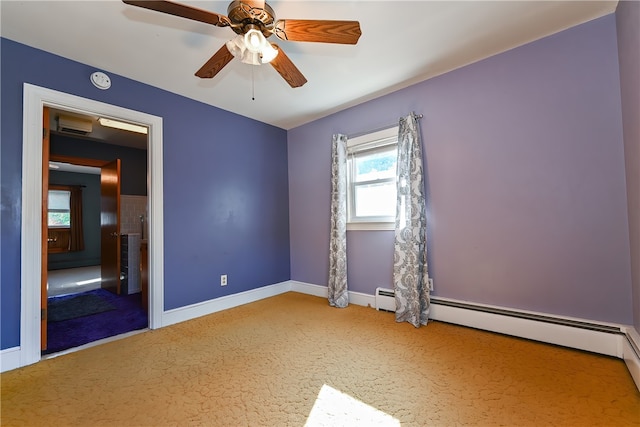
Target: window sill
371, 226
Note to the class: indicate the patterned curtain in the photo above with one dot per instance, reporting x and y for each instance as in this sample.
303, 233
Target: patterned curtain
410, 275
338, 295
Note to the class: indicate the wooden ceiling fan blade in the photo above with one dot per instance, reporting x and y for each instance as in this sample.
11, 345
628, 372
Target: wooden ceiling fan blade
287, 69
216, 63
304, 30
183, 11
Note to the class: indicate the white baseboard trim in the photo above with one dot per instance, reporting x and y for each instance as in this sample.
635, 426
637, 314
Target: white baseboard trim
193, 311
309, 289
357, 298
631, 354
9, 359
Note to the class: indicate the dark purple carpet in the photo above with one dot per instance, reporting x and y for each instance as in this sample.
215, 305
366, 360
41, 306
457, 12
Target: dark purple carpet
127, 316
80, 305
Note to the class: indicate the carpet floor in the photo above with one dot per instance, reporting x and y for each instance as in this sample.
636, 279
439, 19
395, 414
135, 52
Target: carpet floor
291, 360
74, 306
118, 314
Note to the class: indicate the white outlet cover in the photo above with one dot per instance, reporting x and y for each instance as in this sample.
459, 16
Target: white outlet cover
101, 80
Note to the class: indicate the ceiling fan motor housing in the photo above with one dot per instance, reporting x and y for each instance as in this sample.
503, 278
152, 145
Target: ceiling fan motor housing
244, 16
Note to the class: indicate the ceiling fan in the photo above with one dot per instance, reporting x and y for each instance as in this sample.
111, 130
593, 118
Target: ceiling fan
254, 22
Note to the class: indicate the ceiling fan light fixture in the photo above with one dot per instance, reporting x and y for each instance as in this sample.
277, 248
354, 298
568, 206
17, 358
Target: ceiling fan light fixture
236, 46
239, 48
254, 40
250, 58
268, 53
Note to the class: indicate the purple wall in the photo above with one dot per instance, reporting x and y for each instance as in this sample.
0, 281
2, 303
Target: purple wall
525, 177
628, 25
225, 185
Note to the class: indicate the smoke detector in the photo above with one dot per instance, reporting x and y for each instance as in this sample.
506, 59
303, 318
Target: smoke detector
101, 80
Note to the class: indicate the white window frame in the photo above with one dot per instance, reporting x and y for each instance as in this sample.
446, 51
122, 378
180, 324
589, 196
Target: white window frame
370, 142
68, 210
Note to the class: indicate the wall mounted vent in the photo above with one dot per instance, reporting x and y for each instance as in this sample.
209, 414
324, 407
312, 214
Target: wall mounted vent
75, 125
385, 299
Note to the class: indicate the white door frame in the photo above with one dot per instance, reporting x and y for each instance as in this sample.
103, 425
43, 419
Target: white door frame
34, 99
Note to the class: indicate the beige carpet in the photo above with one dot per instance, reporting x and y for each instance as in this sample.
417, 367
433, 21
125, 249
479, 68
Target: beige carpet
292, 360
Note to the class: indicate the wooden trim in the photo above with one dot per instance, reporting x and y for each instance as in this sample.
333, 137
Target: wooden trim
62, 238
77, 160
60, 187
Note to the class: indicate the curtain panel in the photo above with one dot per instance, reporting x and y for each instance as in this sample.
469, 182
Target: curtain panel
410, 274
76, 238
337, 287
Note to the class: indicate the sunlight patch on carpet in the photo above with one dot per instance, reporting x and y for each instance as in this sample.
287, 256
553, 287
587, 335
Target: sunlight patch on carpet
333, 407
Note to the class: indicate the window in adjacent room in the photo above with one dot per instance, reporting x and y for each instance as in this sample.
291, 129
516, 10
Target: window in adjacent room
59, 209
371, 180
64, 219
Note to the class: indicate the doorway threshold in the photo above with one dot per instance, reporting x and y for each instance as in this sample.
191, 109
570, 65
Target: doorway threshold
93, 344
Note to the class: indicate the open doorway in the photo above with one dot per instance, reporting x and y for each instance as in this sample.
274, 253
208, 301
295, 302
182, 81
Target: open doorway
35, 98
96, 224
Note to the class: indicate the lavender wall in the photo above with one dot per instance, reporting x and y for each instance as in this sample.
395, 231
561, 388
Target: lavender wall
225, 188
525, 174
628, 25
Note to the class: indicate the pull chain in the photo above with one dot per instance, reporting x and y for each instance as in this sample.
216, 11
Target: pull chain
253, 85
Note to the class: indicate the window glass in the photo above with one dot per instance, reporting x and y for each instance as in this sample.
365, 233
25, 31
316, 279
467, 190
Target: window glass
59, 214
371, 180
375, 200
378, 165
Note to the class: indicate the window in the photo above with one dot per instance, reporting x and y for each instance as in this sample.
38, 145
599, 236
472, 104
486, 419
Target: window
371, 180
64, 218
59, 209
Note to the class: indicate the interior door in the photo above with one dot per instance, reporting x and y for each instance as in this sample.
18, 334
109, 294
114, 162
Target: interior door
45, 228
110, 226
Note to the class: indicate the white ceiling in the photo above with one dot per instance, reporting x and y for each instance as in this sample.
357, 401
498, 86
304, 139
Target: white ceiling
402, 43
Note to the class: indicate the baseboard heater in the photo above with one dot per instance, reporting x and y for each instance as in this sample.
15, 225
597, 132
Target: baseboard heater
385, 300
529, 316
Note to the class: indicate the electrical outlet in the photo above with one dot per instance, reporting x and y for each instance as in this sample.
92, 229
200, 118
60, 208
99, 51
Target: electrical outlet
430, 284
223, 280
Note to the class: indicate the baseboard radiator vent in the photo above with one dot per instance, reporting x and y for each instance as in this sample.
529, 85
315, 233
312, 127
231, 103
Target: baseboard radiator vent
529, 316
385, 300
